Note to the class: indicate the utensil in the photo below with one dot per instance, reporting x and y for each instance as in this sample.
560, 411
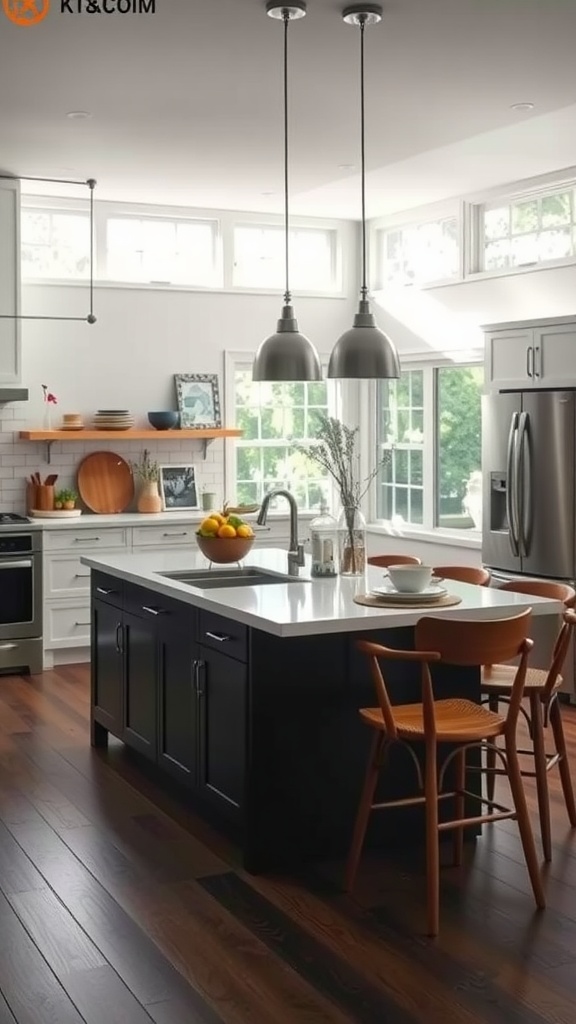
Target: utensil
105, 483
51, 480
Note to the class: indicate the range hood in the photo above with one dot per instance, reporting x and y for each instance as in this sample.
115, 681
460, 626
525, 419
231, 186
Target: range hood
13, 394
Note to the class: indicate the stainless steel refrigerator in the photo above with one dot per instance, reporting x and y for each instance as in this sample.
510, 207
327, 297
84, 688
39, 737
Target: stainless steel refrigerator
529, 496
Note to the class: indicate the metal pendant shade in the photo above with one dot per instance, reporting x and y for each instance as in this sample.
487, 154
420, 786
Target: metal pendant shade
287, 354
364, 352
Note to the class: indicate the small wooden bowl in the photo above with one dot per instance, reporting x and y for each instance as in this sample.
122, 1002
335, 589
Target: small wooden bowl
224, 550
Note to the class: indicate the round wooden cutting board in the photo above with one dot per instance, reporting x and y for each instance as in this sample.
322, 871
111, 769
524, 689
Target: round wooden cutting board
105, 482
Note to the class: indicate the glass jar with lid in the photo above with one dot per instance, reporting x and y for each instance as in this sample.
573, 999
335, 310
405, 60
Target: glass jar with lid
323, 537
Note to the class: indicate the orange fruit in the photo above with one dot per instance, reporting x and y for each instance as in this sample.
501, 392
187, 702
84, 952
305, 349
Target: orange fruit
209, 525
226, 531
244, 530
218, 517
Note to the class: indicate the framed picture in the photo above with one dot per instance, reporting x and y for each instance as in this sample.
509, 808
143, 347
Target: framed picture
178, 487
198, 399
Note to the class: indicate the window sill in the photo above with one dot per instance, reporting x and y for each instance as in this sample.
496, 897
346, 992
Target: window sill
454, 538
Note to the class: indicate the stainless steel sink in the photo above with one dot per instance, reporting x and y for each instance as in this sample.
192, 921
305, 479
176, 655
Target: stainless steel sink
245, 576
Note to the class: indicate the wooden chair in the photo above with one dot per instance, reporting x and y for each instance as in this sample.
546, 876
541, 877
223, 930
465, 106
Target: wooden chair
383, 561
456, 721
464, 573
542, 693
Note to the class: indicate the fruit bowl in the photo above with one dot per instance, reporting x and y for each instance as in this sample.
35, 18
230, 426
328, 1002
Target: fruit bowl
224, 550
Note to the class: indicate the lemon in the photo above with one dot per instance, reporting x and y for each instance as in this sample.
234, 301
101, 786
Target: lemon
209, 526
226, 531
244, 530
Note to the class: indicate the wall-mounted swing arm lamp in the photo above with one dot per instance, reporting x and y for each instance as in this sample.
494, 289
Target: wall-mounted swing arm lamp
364, 352
90, 183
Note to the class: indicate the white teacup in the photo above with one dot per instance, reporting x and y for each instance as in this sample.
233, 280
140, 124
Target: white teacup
410, 579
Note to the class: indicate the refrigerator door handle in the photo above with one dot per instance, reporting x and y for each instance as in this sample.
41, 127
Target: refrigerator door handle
524, 485
511, 490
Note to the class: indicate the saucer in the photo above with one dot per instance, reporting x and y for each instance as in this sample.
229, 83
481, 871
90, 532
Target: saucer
429, 594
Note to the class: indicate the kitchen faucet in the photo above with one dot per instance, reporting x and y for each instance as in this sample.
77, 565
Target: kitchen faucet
296, 550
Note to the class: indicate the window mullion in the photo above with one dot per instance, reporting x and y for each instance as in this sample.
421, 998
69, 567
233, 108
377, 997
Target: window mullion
429, 468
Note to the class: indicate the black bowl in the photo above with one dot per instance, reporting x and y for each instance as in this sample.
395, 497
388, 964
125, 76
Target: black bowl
164, 420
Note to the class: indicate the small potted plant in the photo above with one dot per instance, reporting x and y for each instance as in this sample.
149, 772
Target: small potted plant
147, 472
65, 499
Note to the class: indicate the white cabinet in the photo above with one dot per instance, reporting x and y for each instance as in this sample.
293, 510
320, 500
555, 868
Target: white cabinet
541, 354
9, 282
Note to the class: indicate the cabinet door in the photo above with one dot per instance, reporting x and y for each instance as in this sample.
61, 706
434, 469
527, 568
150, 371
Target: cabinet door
222, 730
107, 666
140, 691
555, 356
178, 698
9, 282
510, 359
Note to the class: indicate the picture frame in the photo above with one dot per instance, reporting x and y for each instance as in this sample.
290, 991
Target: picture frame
178, 485
198, 396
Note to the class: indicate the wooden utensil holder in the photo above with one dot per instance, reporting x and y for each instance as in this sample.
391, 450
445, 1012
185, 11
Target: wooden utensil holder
45, 497
31, 497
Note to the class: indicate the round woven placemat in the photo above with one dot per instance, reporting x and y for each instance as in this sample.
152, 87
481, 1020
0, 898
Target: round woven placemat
384, 602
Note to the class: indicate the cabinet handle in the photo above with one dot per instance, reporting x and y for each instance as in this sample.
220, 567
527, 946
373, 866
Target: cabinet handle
86, 540
83, 576
153, 611
81, 623
530, 361
198, 666
537, 361
183, 533
8, 647
220, 637
103, 590
119, 639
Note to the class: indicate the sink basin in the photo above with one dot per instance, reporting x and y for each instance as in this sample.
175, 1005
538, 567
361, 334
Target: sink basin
212, 579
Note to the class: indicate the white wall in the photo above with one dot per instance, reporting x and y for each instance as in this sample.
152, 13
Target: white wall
128, 359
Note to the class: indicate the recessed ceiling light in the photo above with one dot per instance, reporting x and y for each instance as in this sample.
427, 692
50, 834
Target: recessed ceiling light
346, 167
79, 115
522, 106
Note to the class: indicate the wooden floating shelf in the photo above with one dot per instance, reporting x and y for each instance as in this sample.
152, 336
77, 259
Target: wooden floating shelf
128, 435
206, 436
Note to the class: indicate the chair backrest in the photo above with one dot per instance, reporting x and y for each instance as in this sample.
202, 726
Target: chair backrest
464, 573
383, 561
542, 588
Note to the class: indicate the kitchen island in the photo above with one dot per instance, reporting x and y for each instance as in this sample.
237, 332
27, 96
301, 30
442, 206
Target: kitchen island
248, 696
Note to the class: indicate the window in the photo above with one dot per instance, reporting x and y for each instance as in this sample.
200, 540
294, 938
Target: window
55, 244
430, 424
273, 416
529, 230
418, 253
259, 258
163, 251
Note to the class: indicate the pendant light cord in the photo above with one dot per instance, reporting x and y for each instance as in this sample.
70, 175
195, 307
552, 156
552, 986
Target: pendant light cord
287, 296
363, 289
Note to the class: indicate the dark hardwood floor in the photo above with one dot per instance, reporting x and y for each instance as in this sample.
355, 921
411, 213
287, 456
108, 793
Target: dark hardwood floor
117, 904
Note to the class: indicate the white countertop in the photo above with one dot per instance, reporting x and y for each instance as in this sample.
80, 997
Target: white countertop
90, 521
307, 607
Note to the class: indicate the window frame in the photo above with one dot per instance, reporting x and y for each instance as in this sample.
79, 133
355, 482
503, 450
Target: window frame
430, 455
422, 215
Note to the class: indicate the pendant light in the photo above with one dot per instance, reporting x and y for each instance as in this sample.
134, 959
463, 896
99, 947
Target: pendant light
364, 351
286, 355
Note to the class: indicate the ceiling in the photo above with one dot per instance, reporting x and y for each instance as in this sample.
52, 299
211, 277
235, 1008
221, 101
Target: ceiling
186, 103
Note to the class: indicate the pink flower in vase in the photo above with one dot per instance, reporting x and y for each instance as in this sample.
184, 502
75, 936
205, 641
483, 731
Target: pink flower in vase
49, 400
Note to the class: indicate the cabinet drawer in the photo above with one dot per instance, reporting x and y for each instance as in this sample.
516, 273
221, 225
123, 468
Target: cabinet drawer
164, 535
66, 625
107, 588
92, 539
64, 577
223, 635
146, 603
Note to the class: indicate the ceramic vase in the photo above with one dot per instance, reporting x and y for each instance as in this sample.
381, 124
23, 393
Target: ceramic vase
149, 499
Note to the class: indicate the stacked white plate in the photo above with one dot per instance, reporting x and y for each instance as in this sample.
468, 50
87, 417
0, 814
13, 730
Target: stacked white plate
113, 419
428, 596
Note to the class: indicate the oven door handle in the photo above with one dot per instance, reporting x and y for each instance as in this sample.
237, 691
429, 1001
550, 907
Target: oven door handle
21, 563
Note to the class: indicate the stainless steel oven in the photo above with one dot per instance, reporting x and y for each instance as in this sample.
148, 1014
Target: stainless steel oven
20, 600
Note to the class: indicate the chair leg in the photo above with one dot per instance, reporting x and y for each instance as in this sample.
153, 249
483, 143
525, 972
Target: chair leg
432, 839
519, 798
459, 806
540, 763
563, 765
491, 754
364, 809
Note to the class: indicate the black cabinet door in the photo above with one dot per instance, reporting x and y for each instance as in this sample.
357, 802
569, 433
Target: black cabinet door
107, 666
222, 730
178, 698
140, 690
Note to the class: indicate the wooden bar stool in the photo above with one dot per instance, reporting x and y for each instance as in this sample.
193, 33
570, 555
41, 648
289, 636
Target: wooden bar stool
383, 561
457, 721
544, 708
464, 573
